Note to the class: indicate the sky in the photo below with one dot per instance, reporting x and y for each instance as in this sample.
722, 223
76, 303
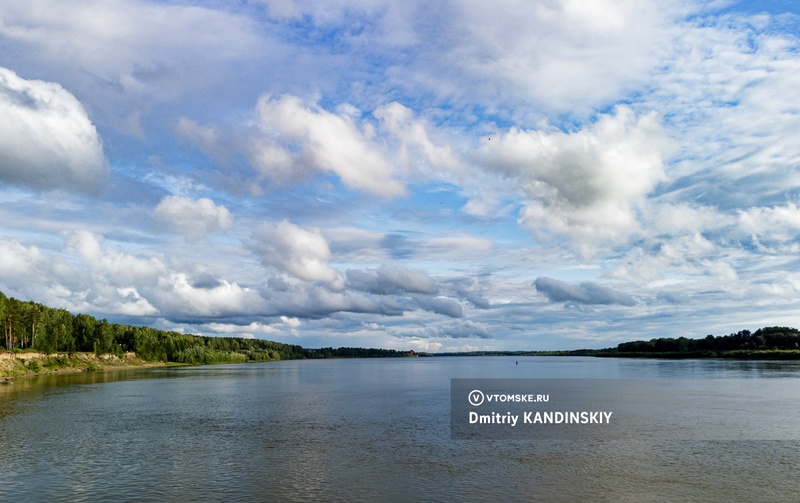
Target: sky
436, 176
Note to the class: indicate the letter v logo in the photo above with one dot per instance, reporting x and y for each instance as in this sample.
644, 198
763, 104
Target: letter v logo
475, 397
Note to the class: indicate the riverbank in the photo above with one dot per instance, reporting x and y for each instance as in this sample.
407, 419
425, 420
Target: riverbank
27, 364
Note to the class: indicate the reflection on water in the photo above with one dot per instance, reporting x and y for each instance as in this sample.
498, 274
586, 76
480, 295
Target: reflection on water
357, 430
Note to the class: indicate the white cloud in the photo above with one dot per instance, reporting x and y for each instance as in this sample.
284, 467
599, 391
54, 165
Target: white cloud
731, 105
685, 218
301, 253
777, 223
416, 150
85, 277
46, 138
177, 296
131, 303
114, 266
16, 260
525, 58
194, 218
292, 323
679, 256
289, 141
131, 55
301, 140
588, 184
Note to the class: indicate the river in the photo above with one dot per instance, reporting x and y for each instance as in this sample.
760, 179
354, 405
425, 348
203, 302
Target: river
380, 430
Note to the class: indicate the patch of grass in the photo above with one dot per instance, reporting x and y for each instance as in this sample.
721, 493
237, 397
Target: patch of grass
57, 362
93, 367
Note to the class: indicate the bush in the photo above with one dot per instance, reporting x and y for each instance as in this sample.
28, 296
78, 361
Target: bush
55, 362
93, 367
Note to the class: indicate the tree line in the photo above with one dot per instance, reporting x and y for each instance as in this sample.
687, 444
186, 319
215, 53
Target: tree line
356, 353
742, 342
29, 325
781, 343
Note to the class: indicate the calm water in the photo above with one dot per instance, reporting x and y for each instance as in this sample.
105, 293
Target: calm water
378, 430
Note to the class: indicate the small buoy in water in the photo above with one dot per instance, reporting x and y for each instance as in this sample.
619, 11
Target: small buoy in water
516, 363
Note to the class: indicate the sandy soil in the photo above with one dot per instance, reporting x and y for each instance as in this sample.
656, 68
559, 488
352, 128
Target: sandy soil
17, 365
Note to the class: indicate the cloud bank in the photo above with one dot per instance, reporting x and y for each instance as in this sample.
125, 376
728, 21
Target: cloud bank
586, 292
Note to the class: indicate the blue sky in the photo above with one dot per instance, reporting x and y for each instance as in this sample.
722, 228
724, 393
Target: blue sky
413, 175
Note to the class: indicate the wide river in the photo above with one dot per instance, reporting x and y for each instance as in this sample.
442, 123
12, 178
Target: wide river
380, 430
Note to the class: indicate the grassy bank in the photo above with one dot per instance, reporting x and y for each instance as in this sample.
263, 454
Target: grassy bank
29, 363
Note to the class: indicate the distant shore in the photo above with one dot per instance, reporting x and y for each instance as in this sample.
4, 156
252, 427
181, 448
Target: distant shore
758, 354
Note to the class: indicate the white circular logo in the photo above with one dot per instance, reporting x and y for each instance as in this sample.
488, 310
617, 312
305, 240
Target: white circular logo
475, 397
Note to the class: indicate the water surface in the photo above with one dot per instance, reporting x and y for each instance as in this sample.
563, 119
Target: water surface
372, 430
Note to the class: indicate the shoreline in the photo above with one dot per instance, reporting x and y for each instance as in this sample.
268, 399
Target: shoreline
24, 365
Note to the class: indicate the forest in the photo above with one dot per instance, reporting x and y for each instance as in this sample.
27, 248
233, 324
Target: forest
29, 325
778, 342
768, 343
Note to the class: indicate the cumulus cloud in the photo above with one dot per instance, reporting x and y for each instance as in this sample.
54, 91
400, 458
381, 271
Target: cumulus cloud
302, 253
83, 277
25, 271
587, 184
416, 150
121, 268
583, 293
298, 140
194, 218
390, 280
143, 285
291, 141
179, 298
47, 140
99, 276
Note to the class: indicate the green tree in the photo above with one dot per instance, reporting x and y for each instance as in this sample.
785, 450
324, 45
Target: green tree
83, 330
